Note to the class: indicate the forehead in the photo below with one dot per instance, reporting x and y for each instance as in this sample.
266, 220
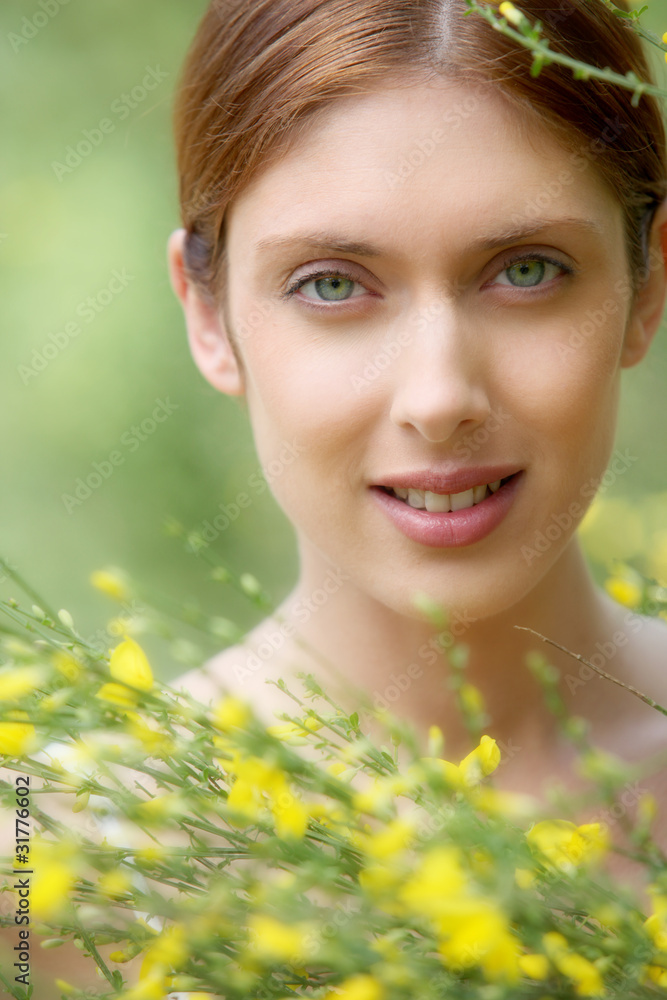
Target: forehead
430, 163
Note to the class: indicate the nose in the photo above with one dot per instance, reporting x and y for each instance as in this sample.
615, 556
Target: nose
441, 379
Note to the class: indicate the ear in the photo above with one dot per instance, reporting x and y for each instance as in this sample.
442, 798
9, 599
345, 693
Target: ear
207, 334
647, 311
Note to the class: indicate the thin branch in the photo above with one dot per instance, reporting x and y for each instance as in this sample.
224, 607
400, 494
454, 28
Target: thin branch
598, 670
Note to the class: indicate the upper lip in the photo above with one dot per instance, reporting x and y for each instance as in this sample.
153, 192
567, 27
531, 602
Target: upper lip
454, 481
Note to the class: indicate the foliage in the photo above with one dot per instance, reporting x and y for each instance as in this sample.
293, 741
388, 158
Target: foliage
300, 859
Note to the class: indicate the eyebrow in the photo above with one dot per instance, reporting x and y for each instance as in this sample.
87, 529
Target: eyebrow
326, 240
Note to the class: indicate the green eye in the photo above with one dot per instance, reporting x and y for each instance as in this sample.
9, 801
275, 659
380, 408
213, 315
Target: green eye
338, 285
531, 272
528, 272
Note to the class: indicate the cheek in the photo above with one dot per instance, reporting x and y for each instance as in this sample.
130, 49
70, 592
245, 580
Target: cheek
305, 397
567, 402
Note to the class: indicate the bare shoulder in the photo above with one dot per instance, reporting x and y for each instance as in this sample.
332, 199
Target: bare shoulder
246, 671
649, 653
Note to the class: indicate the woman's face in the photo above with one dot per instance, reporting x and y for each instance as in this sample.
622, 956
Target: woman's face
433, 350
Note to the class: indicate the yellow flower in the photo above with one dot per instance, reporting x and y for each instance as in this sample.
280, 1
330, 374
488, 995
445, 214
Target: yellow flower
566, 845
17, 738
291, 817
66, 664
168, 805
647, 809
381, 881
656, 924
392, 839
534, 966
51, 884
153, 986
524, 877
129, 664
509, 11
153, 852
111, 583
54, 865
471, 698
496, 801
624, 591
16, 682
272, 939
166, 952
114, 884
657, 974
118, 694
436, 741
359, 987
585, 976
449, 771
438, 878
230, 713
483, 760
475, 931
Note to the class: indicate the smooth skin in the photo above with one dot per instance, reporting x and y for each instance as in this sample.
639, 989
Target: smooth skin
480, 344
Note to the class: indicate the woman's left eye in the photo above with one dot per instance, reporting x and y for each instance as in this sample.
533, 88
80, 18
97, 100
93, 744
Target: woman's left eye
530, 272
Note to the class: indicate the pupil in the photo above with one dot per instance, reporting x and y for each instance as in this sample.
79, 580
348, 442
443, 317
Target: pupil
332, 285
526, 270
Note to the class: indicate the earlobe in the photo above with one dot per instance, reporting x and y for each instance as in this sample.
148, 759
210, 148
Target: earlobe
208, 338
648, 310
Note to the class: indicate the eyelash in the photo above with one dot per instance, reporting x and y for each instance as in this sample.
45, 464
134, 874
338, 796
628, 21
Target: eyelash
343, 273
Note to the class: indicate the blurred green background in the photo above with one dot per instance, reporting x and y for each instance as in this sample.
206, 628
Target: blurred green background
62, 239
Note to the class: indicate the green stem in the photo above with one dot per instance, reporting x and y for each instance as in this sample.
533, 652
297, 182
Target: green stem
545, 55
30, 591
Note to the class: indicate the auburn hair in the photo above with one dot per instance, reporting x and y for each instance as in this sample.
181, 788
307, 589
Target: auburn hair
258, 72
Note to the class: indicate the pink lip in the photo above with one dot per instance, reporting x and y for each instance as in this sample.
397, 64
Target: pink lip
458, 527
456, 481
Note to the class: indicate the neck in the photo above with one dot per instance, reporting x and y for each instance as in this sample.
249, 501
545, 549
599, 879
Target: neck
356, 644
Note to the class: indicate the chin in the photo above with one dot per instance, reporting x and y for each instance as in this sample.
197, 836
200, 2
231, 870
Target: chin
466, 601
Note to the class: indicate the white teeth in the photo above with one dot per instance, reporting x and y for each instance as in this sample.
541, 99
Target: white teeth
416, 499
437, 503
462, 500
478, 493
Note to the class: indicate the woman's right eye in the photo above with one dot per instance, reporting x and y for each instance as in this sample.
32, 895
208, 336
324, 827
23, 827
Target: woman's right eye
329, 286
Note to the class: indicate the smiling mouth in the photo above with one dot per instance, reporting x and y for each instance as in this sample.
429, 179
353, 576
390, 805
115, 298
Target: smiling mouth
442, 503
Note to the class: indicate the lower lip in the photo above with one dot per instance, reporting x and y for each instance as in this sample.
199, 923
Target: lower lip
458, 527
